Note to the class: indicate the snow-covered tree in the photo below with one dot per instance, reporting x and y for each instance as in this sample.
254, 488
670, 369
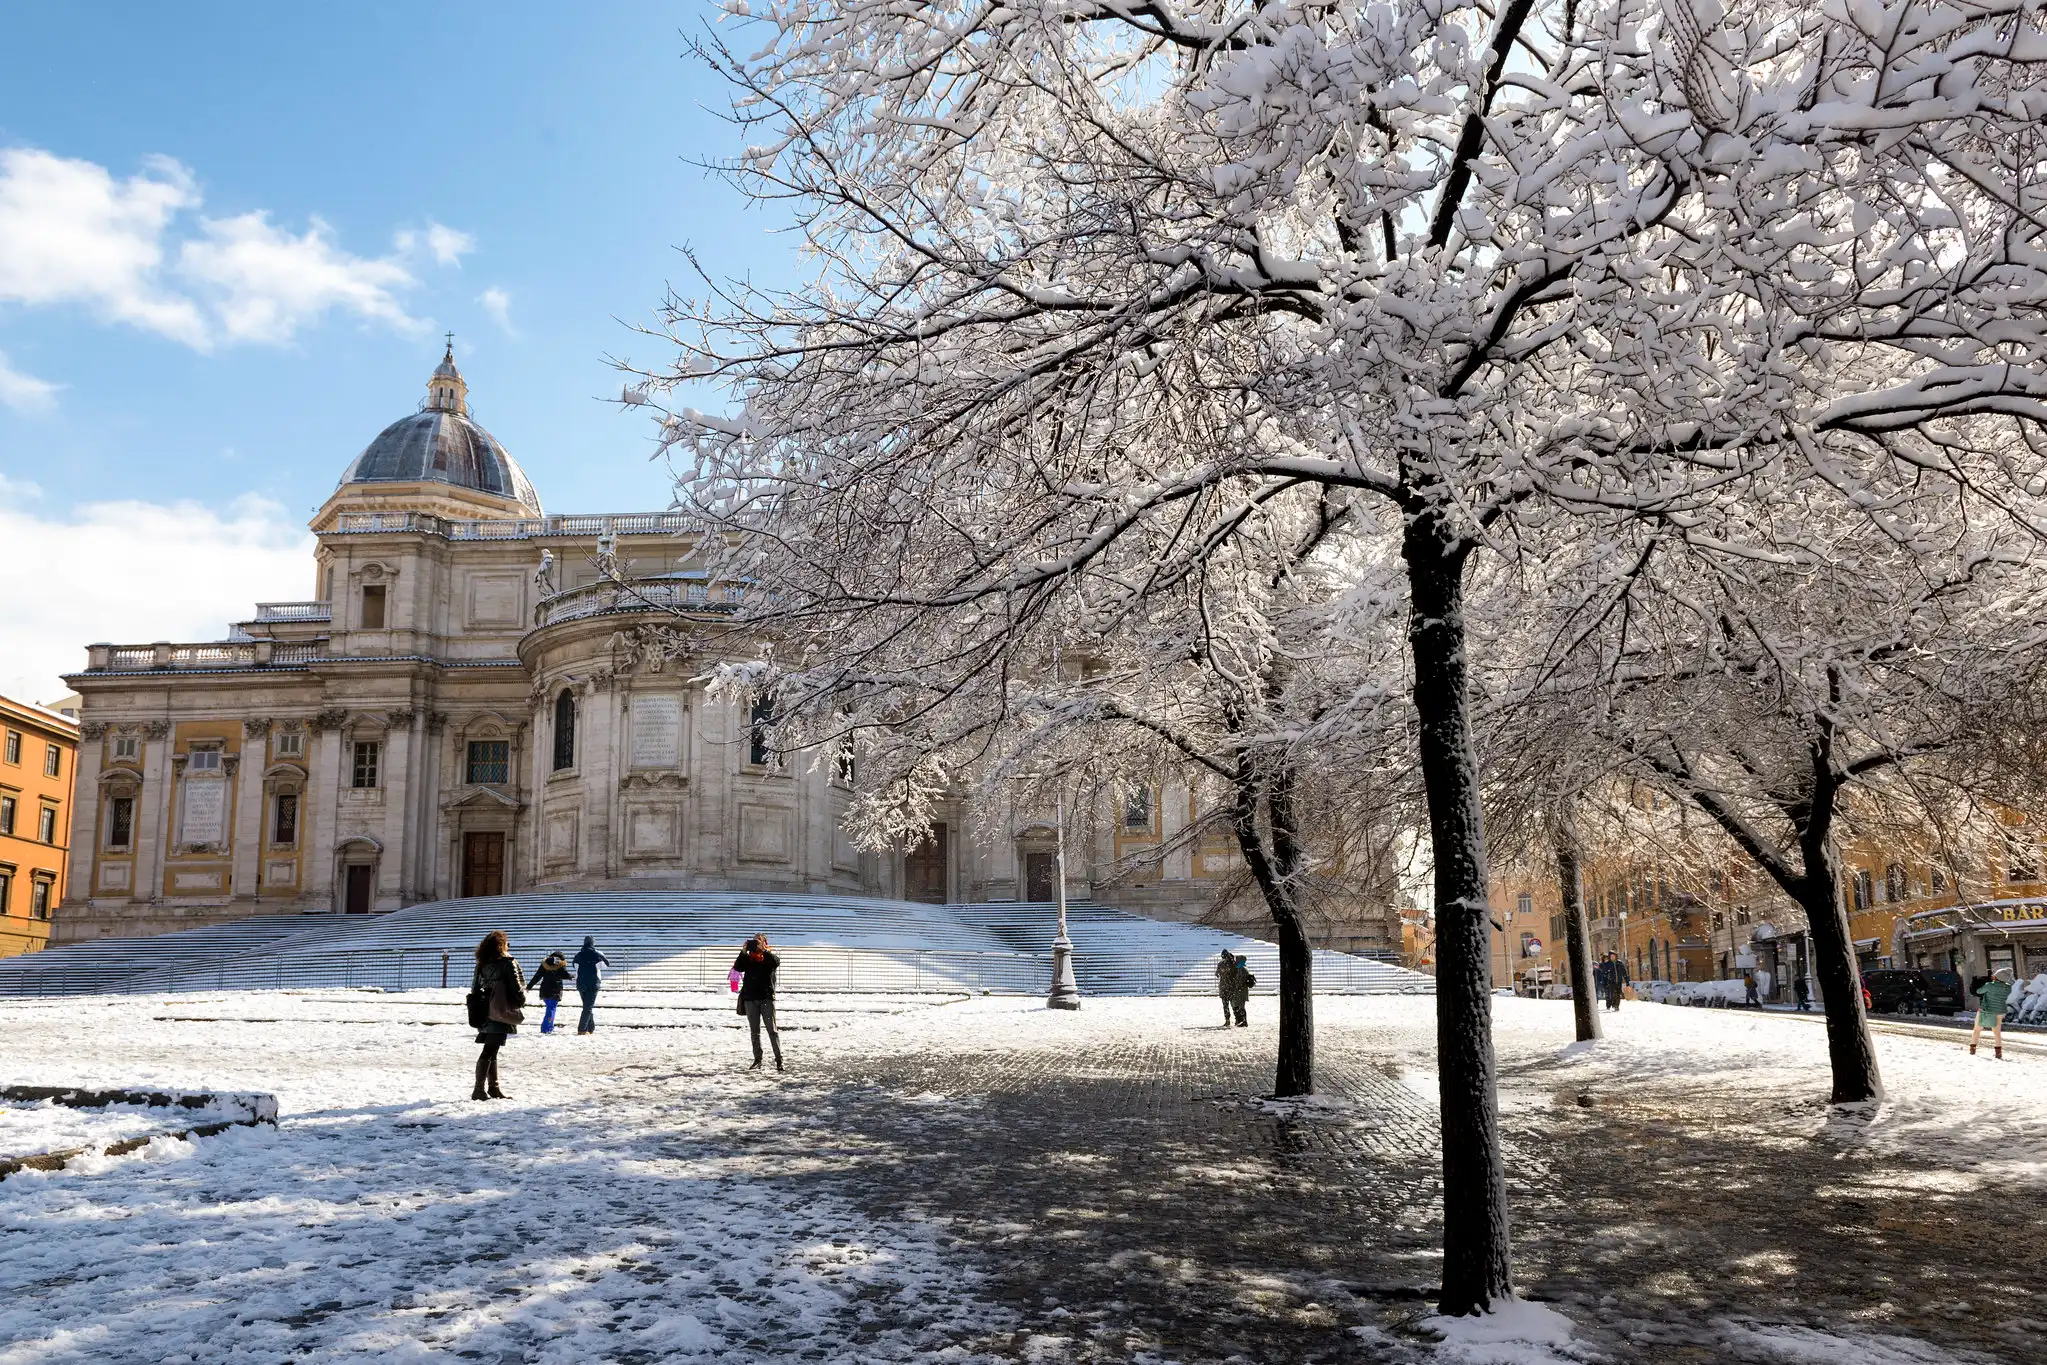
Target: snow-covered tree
1099, 281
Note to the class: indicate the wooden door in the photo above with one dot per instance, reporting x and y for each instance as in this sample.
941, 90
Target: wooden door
924, 869
483, 863
1041, 870
362, 886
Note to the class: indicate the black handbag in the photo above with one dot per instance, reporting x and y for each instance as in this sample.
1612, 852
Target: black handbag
479, 1008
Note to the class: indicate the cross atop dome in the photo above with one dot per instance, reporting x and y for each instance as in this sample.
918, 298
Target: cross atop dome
445, 390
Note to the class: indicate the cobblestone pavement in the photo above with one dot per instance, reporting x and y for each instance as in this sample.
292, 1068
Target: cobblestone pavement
1129, 1202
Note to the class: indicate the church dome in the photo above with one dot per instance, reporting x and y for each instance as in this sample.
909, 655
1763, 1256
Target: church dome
440, 444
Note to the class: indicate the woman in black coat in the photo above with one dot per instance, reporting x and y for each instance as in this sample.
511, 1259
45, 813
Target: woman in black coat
549, 976
502, 985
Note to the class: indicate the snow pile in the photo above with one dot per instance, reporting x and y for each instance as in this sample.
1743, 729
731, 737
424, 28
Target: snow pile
2029, 1001
33, 1129
1516, 1332
1716, 994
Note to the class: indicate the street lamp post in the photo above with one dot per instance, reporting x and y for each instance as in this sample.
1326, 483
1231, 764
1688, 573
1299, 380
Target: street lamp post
1065, 990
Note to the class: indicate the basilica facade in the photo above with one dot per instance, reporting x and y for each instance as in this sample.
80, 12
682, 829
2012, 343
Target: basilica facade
481, 698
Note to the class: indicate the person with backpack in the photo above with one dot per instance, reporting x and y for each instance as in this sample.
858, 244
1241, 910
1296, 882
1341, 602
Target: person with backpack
1240, 990
549, 976
497, 1002
1225, 981
756, 966
1991, 998
587, 961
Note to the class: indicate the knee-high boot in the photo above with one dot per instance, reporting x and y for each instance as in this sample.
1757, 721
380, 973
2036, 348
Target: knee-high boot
495, 1093
483, 1066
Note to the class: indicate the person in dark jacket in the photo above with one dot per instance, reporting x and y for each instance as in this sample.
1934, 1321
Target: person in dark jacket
756, 965
498, 979
1225, 979
1610, 976
587, 960
1240, 990
549, 976
1801, 991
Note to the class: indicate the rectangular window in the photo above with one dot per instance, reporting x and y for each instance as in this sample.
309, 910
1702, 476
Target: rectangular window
205, 760
6, 890
1524, 904
1137, 807
1937, 879
126, 746
13, 750
46, 825
291, 744
284, 825
39, 898
490, 761
1864, 888
120, 821
758, 752
367, 754
53, 760
6, 815
373, 608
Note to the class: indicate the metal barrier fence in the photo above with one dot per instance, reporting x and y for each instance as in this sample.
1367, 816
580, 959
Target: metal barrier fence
805, 969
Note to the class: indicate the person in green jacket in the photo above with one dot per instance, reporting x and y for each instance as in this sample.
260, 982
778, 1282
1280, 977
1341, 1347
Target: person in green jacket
1991, 998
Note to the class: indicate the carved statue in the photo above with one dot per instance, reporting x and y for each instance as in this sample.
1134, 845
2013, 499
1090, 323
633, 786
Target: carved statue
609, 565
543, 577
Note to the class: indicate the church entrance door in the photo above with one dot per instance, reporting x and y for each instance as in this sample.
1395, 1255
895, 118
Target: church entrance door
1041, 870
483, 863
924, 869
362, 885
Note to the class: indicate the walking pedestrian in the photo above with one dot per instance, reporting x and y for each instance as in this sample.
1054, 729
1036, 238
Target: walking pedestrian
549, 976
587, 960
1225, 976
756, 966
1240, 990
1991, 998
1801, 991
1748, 982
496, 1007
1610, 976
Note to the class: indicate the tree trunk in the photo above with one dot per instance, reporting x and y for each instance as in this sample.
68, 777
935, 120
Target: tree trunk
1295, 1072
1577, 936
1272, 871
1477, 1253
1850, 1047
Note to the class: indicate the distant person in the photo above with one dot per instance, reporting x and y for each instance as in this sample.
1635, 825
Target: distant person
497, 1006
756, 966
1801, 991
1991, 998
588, 960
549, 976
1225, 979
1748, 983
1610, 976
1242, 997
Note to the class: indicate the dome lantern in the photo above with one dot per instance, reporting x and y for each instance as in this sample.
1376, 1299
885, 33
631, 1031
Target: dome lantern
445, 389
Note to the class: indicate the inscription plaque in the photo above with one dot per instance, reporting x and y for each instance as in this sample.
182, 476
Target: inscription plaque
657, 731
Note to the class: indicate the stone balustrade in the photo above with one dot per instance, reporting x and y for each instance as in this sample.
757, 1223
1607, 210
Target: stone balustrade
519, 528
645, 594
163, 654
294, 611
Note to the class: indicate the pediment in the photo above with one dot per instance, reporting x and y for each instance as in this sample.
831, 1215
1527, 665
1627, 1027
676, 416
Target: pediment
486, 798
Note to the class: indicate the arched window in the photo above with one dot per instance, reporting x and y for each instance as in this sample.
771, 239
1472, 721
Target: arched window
565, 730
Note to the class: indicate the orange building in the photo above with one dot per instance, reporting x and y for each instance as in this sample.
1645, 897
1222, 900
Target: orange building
38, 755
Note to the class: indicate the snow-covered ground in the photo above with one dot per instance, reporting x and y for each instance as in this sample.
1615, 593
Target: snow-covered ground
630, 1202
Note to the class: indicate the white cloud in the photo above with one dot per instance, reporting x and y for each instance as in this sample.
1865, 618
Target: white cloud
24, 392
70, 233
447, 244
136, 572
267, 283
498, 304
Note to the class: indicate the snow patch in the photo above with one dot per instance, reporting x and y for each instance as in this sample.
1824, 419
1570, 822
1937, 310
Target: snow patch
1516, 1332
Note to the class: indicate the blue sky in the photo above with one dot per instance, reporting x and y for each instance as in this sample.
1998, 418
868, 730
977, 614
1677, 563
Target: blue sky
232, 235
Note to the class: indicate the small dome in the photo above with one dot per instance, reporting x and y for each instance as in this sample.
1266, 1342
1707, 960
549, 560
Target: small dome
440, 444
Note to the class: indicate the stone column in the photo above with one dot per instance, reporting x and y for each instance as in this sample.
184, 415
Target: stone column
246, 828
152, 813
82, 869
600, 765
394, 869
323, 802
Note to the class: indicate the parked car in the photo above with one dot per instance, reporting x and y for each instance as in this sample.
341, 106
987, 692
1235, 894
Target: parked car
1891, 990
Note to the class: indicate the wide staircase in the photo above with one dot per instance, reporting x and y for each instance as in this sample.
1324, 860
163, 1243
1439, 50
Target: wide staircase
686, 941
